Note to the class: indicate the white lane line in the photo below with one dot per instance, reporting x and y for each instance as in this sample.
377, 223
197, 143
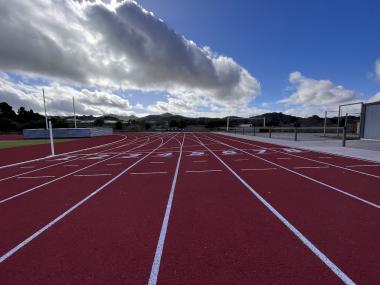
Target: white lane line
241, 159
26, 167
90, 175
148, 173
329, 263
113, 164
9, 253
202, 171
42, 158
199, 161
161, 241
283, 158
35, 177
66, 175
60, 163
71, 165
310, 167
156, 162
305, 176
314, 160
258, 169
363, 165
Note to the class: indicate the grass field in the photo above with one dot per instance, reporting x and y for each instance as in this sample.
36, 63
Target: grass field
21, 143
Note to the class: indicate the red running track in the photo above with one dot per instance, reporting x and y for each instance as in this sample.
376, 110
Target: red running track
20, 154
189, 209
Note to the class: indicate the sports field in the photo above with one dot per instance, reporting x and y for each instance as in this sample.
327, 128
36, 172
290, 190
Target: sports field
187, 208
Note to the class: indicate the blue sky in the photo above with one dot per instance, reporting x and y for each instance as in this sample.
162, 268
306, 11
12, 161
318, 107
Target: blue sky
337, 40
328, 48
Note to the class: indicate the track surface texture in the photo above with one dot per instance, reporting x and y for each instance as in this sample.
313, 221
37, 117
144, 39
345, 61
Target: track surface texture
187, 208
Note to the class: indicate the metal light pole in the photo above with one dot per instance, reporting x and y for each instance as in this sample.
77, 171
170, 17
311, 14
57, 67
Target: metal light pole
75, 117
46, 119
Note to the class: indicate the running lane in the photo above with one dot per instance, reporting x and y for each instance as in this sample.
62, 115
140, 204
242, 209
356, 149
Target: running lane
20, 178
360, 185
20, 154
218, 233
23, 215
348, 163
345, 229
111, 238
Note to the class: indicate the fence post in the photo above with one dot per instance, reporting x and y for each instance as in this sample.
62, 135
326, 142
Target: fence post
295, 133
344, 137
270, 132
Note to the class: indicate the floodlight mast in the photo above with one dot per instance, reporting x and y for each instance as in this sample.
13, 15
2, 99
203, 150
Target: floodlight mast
46, 119
75, 117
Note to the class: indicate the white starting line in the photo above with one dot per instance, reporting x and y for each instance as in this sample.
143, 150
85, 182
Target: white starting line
95, 175
202, 171
310, 167
70, 165
147, 173
25, 167
363, 165
35, 177
259, 169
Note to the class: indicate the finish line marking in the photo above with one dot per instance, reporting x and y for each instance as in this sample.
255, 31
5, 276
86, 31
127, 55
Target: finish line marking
364, 165
310, 167
202, 171
33, 177
90, 175
147, 173
258, 169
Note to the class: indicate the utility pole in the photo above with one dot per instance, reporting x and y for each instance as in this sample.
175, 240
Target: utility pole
46, 119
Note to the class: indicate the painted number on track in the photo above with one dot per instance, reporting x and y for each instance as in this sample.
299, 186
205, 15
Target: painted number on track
229, 152
132, 155
197, 153
165, 154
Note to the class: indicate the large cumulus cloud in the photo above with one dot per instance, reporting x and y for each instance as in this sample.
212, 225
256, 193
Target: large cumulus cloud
117, 45
313, 92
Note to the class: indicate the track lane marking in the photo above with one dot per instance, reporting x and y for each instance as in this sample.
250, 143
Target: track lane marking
93, 175
204, 171
11, 252
329, 263
161, 240
71, 173
35, 177
363, 165
310, 159
148, 173
66, 161
311, 167
305, 176
258, 169
42, 158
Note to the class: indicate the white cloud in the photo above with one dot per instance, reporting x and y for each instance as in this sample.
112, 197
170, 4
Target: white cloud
377, 68
59, 98
115, 45
374, 98
311, 92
